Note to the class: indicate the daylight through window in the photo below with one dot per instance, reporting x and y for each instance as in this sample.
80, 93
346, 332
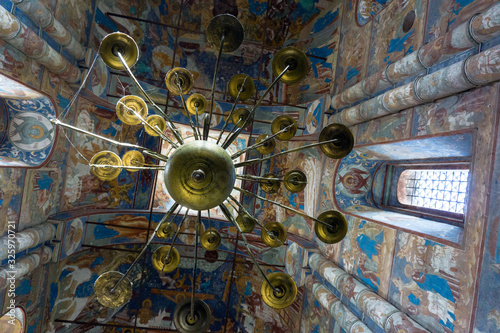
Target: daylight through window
443, 190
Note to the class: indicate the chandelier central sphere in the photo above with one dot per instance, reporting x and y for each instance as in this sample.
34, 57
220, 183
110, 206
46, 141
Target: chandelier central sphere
199, 175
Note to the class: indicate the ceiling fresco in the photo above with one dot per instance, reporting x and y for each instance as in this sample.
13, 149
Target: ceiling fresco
427, 271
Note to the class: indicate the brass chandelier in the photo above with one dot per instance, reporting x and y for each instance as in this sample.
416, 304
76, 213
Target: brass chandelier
200, 174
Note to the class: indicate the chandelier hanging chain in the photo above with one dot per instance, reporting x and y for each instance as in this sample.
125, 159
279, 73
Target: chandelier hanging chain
235, 127
198, 122
209, 222
232, 110
257, 160
271, 234
170, 124
261, 143
178, 83
230, 139
231, 219
145, 247
84, 81
191, 313
208, 120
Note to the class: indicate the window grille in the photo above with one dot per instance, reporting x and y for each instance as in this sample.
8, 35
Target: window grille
443, 190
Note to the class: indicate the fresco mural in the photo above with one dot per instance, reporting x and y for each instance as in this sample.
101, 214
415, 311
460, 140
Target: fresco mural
448, 14
315, 318
397, 31
487, 315
353, 182
28, 134
435, 283
41, 196
366, 9
366, 253
353, 58
425, 281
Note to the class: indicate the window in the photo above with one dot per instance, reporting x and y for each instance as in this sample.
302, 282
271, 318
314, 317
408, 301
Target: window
437, 191
443, 190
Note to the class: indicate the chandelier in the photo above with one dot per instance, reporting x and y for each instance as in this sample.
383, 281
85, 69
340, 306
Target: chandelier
200, 173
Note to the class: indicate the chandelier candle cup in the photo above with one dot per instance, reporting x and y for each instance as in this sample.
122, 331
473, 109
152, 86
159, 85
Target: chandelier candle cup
117, 43
241, 86
112, 289
295, 181
333, 229
165, 261
111, 165
127, 108
282, 122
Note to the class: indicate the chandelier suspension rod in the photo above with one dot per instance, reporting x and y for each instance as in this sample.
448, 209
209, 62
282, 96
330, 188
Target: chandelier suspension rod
159, 167
191, 314
198, 123
175, 237
257, 160
263, 142
208, 120
230, 139
231, 219
185, 107
251, 178
143, 251
147, 151
155, 128
209, 223
271, 234
232, 109
234, 127
281, 205
170, 124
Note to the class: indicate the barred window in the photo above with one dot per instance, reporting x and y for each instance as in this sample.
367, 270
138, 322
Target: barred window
442, 190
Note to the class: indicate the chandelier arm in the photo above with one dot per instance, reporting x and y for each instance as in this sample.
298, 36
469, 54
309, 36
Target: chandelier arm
143, 251
230, 140
251, 178
257, 160
156, 155
170, 124
175, 237
191, 314
147, 151
256, 221
158, 167
231, 219
232, 110
155, 128
263, 142
208, 120
281, 205
185, 107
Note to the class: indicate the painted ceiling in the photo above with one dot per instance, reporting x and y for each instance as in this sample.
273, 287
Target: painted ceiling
104, 223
